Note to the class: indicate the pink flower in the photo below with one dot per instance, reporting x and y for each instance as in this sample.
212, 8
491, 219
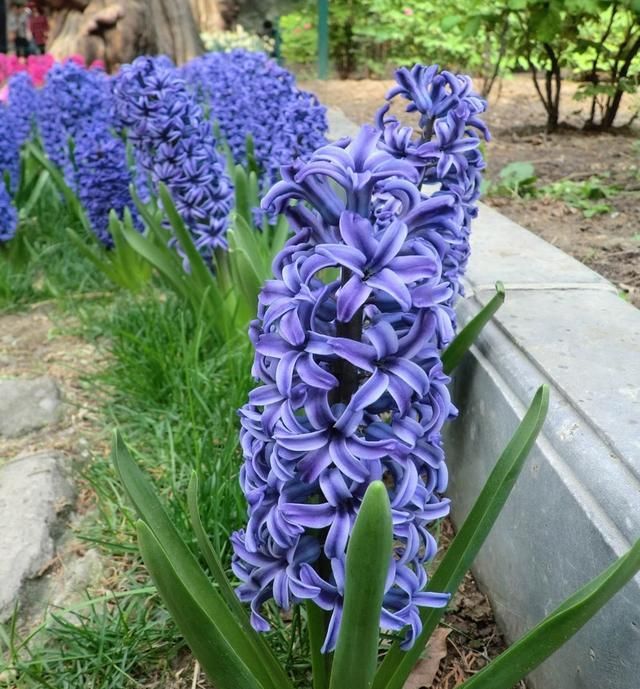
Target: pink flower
306, 26
408, 11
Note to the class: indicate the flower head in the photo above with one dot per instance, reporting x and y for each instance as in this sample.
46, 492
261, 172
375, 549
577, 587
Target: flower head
351, 384
103, 177
71, 97
22, 103
250, 94
446, 150
174, 144
9, 150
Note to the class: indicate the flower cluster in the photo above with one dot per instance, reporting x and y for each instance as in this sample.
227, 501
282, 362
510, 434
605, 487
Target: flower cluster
8, 215
22, 104
174, 144
9, 150
102, 177
447, 151
71, 98
284, 122
351, 388
36, 66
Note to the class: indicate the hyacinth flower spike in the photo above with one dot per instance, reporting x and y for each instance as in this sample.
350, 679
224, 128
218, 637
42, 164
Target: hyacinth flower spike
351, 389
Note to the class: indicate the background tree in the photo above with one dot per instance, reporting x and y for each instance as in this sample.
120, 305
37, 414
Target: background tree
118, 31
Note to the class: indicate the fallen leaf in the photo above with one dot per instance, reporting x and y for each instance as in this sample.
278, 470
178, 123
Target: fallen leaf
425, 671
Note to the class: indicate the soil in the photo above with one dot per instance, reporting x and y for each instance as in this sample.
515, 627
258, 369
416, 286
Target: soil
609, 243
39, 343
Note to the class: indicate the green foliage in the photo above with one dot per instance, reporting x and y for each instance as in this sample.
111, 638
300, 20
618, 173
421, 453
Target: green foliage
453, 354
373, 37
39, 263
589, 195
299, 37
514, 179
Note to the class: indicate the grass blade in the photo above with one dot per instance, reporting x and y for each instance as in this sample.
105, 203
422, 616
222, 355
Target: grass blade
453, 354
368, 555
398, 664
546, 637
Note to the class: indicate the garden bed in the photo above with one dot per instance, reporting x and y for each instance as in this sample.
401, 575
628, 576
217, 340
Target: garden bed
608, 242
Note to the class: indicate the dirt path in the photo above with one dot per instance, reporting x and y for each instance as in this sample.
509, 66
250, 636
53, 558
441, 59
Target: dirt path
609, 243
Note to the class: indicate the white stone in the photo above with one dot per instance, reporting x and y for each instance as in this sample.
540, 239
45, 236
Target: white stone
27, 405
35, 492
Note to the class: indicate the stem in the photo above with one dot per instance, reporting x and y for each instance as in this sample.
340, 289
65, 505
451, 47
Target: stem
345, 372
316, 628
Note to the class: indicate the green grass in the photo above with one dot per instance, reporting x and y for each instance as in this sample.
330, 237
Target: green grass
44, 264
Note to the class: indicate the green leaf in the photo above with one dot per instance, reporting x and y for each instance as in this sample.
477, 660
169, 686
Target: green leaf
397, 665
451, 21
317, 620
227, 592
187, 569
368, 557
57, 178
162, 258
556, 629
453, 354
209, 645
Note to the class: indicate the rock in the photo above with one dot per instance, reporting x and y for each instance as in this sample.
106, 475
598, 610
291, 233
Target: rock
26, 405
340, 125
35, 494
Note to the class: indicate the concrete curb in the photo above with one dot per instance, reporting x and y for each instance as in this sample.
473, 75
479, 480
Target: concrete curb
577, 505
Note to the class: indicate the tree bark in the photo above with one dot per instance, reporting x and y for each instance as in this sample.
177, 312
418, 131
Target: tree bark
208, 15
116, 31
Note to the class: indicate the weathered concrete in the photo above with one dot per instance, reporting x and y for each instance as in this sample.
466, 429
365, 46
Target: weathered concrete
35, 492
26, 405
577, 505
339, 124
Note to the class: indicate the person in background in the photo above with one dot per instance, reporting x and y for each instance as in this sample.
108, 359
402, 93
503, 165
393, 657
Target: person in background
18, 28
39, 27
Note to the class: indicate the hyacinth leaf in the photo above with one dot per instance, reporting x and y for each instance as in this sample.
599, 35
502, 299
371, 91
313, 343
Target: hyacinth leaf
368, 555
250, 148
30, 192
163, 259
241, 188
546, 637
220, 310
225, 588
101, 264
316, 629
187, 569
57, 178
199, 269
397, 665
452, 356
216, 656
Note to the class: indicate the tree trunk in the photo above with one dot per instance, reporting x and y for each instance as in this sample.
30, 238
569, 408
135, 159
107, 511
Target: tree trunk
208, 15
116, 31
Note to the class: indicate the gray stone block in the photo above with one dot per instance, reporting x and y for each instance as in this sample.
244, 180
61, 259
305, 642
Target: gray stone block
26, 405
34, 492
340, 125
576, 506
